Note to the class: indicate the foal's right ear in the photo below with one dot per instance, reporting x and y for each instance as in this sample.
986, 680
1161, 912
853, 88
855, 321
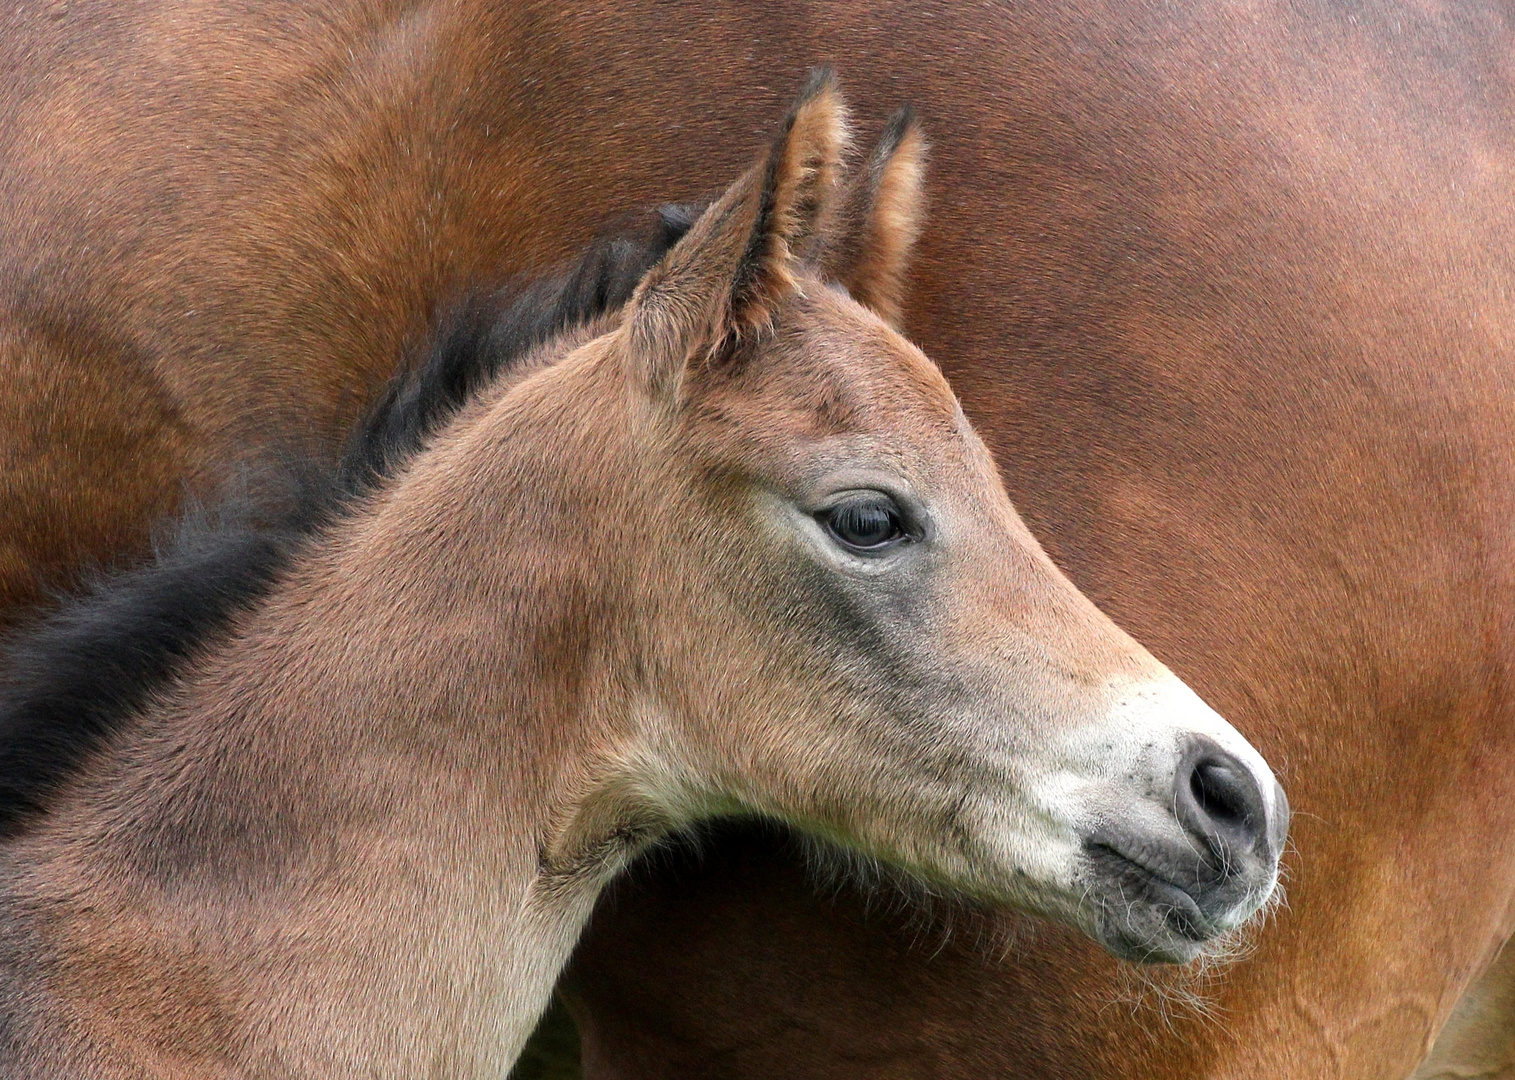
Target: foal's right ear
724, 278
865, 242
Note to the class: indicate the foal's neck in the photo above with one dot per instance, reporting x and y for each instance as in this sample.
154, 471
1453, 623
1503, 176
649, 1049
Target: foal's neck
364, 825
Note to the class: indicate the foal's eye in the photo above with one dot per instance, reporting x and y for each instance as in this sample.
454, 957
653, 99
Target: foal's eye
865, 523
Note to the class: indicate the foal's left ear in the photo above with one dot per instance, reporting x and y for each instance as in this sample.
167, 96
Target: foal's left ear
865, 242
724, 278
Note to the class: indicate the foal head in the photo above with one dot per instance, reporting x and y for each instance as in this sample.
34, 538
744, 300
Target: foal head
834, 615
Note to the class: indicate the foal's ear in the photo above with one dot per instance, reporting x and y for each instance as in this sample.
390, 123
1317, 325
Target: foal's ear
865, 242
723, 279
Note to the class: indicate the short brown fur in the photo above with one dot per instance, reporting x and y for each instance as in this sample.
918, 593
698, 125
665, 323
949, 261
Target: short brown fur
733, 549
1227, 289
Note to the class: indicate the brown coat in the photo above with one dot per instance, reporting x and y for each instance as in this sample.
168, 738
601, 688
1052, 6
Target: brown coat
1226, 287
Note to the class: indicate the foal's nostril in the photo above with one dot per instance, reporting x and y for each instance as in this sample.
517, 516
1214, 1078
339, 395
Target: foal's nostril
1218, 794
1218, 800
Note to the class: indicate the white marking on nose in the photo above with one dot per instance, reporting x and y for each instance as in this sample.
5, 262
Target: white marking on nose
1166, 713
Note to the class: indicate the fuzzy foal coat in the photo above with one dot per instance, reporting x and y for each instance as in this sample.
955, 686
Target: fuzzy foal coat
1227, 288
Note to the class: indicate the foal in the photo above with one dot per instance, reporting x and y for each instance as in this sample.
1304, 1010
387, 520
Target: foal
731, 549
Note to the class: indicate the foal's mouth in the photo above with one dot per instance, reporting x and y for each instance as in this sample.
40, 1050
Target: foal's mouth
1153, 886
1152, 917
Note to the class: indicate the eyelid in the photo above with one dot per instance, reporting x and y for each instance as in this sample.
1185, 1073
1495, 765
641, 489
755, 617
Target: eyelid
842, 498
845, 495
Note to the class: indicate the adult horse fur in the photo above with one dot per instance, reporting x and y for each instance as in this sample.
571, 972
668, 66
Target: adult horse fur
735, 550
1225, 286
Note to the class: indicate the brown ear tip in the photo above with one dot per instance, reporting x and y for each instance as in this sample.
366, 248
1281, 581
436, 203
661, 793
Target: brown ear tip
821, 106
900, 121
902, 132
821, 80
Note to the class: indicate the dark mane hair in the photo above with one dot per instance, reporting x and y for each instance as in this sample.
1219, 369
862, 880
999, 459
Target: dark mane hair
80, 675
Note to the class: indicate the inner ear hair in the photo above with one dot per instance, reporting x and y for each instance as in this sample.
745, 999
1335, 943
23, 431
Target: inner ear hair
800, 179
723, 280
865, 242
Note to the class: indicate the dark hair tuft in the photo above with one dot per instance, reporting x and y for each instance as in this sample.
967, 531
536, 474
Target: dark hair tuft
85, 671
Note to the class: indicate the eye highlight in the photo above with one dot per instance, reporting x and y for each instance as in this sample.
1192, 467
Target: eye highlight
867, 523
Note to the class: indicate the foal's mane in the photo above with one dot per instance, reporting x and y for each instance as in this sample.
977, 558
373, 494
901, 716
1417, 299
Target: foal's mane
68, 684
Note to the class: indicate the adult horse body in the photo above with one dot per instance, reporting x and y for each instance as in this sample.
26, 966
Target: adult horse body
1227, 289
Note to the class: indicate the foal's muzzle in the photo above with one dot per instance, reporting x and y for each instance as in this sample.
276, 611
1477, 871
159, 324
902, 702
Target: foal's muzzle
1166, 890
